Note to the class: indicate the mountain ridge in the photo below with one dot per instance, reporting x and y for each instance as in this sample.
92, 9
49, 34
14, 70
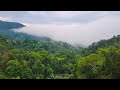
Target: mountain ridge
5, 25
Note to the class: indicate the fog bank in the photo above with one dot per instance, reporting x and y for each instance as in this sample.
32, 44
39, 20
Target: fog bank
77, 33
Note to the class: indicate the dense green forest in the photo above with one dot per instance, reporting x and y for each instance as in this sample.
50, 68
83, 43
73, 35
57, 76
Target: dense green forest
40, 59
44, 58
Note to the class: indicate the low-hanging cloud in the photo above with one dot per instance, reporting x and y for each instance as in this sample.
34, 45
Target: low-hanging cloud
77, 33
5, 19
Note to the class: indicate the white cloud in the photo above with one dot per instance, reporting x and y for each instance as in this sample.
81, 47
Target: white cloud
76, 33
67, 14
37, 12
5, 19
56, 16
63, 14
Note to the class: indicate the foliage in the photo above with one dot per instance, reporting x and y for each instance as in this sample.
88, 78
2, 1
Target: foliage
90, 67
24, 56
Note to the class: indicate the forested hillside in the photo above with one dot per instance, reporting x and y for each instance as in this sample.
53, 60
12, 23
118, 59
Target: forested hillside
48, 59
35, 58
7, 29
9, 25
101, 44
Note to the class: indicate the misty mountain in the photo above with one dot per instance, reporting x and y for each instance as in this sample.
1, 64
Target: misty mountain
102, 44
7, 29
10, 25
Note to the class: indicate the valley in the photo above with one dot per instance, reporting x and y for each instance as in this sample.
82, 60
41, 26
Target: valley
23, 56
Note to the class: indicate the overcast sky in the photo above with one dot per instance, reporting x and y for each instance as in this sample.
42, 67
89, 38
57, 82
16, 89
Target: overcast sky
73, 27
38, 17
